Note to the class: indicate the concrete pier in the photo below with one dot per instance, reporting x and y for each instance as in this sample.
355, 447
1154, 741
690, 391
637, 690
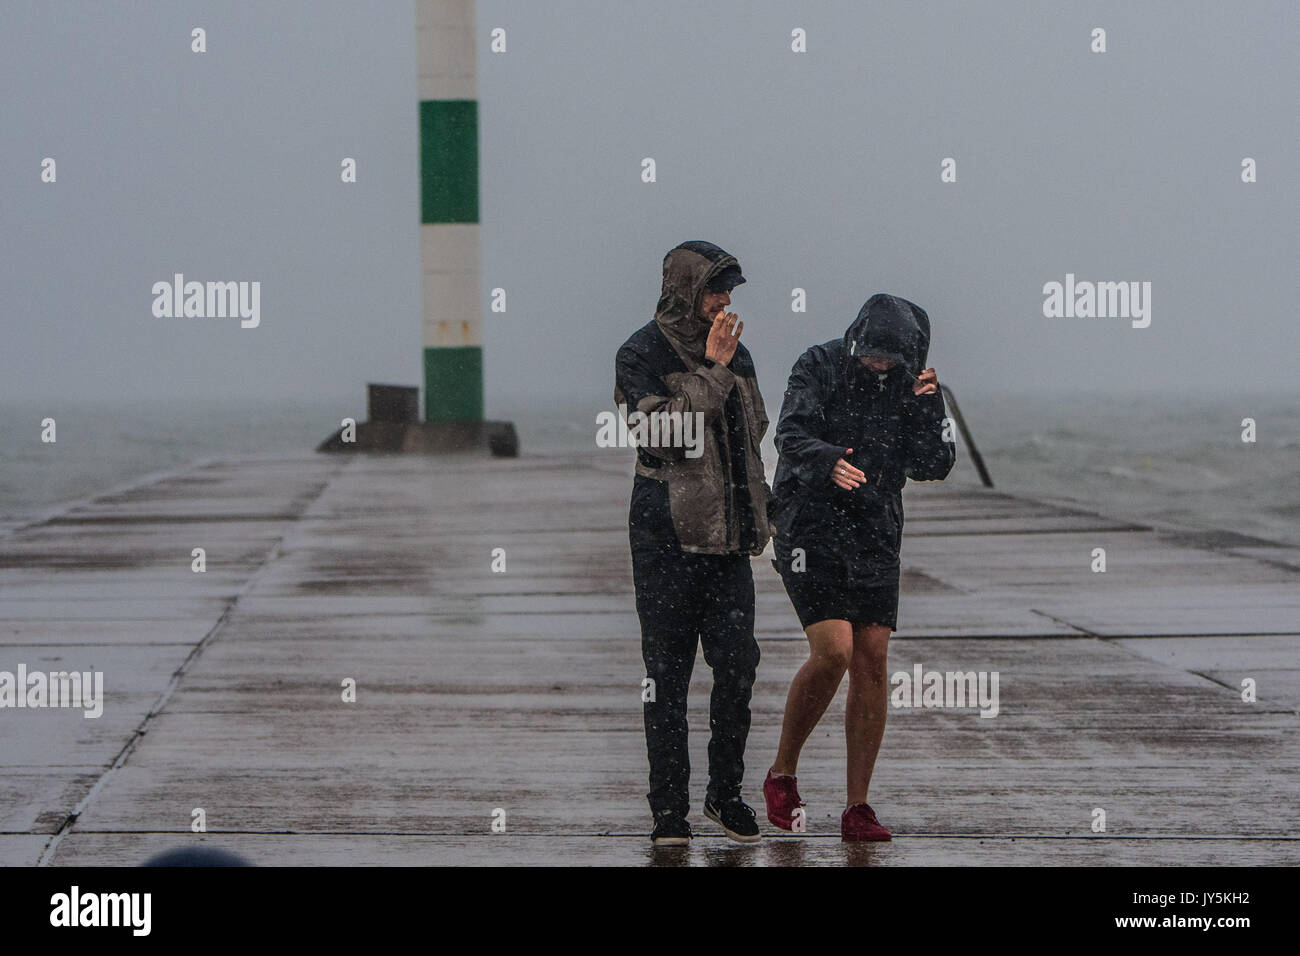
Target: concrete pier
479, 690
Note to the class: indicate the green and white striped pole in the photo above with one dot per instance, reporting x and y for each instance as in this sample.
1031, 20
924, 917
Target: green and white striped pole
450, 260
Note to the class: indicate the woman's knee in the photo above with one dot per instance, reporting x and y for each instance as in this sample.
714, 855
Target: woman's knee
870, 647
830, 647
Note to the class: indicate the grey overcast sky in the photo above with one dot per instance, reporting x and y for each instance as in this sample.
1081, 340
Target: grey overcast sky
818, 170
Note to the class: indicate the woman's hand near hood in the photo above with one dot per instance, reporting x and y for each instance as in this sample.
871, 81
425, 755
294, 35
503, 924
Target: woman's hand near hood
927, 383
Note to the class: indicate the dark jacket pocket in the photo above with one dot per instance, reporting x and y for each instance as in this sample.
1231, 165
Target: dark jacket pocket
649, 520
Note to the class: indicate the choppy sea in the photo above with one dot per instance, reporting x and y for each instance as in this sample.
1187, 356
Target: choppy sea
1175, 459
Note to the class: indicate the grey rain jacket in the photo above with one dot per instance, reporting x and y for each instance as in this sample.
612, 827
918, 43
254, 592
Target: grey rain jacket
716, 503
833, 403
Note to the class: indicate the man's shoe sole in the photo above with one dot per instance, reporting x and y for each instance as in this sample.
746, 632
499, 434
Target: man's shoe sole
731, 834
672, 841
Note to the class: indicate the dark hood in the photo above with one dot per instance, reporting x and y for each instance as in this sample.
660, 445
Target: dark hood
892, 325
687, 268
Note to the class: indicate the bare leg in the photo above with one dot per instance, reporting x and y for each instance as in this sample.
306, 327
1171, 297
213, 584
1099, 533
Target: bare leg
868, 705
830, 649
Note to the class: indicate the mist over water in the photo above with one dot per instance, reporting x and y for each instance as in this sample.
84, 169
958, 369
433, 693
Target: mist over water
103, 444
1152, 457
1160, 457
1178, 459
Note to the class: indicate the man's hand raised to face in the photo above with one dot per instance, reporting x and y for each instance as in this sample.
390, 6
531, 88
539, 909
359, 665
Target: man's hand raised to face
721, 345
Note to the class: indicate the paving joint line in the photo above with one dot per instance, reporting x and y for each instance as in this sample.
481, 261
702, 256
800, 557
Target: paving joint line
275, 552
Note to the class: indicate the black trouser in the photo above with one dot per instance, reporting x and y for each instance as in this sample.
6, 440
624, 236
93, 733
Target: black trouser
682, 600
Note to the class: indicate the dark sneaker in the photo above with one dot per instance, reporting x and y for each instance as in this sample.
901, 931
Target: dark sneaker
859, 823
671, 829
781, 794
734, 816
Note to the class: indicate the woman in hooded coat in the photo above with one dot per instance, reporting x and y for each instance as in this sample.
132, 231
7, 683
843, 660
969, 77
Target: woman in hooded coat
861, 415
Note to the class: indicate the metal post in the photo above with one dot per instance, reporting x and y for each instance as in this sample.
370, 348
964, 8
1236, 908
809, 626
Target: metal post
966, 437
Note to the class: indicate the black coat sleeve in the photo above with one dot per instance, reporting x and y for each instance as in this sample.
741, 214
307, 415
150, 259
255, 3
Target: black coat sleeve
802, 423
926, 455
638, 388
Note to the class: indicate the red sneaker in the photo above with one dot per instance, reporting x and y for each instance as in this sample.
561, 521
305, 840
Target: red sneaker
782, 798
859, 823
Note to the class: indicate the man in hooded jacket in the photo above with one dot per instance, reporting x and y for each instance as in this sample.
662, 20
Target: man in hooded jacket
696, 517
862, 414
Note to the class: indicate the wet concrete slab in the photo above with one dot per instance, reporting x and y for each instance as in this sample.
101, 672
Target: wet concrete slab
712, 849
479, 689
60, 632
22, 849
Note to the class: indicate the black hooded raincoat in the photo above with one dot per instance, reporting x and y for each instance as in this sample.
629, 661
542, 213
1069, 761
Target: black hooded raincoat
833, 403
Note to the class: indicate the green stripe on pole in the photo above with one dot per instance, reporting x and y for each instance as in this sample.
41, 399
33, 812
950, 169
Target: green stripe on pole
449, 161
453, 383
